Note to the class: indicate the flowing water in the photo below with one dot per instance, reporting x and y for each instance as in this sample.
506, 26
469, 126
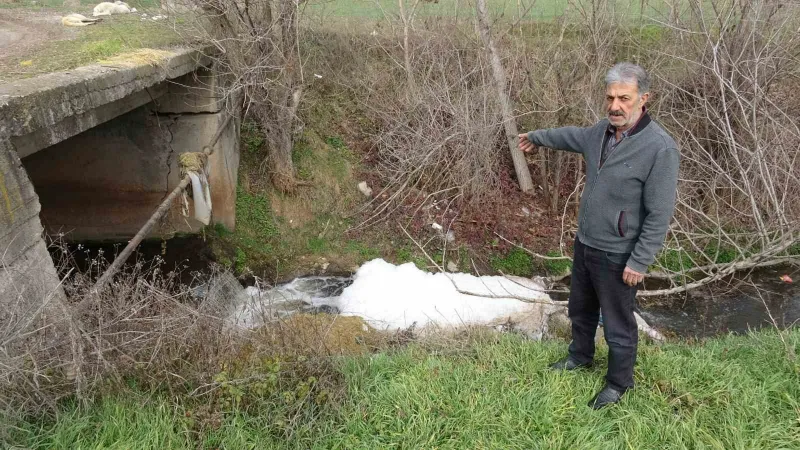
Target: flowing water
723, 307
393, 297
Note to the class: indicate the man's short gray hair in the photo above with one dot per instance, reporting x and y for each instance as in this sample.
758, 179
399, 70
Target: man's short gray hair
626, 72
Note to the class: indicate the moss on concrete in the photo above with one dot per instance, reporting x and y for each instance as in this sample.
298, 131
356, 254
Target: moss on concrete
192, 162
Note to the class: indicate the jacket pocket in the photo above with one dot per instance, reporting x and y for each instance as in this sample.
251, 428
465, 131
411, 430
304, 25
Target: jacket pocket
622, 224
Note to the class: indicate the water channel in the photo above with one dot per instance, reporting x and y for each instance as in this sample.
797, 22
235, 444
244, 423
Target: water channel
749, 301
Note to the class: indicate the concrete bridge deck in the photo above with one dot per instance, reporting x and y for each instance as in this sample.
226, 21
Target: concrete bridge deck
90, 153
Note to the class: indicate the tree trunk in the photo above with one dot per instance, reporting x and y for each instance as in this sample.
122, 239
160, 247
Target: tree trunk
278, 121
407, 18
558, 171
520, 165
281, 167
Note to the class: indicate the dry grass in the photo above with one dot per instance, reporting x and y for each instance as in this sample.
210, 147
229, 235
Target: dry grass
149, 329
143, 56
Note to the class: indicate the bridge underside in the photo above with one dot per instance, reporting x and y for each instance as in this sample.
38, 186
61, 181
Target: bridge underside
104, 183
89, 155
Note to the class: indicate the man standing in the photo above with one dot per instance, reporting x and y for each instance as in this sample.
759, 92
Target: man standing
625, 210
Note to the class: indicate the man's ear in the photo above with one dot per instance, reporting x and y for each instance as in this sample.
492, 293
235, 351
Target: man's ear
644, 98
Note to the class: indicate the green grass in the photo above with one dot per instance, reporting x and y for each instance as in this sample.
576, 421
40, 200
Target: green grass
676, 260
505, 9
364, 251
491, 392
720, 255
731, 393
254, 214
557, 266
516, 262
407, 254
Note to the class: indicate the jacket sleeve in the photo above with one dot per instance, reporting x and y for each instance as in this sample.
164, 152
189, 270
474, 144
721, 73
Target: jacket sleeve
571, 139
660, 190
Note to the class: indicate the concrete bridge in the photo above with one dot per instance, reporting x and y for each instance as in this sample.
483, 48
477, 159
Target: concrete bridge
88, 154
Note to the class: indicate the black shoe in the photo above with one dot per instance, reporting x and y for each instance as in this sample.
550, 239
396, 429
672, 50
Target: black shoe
608, 396
567, 363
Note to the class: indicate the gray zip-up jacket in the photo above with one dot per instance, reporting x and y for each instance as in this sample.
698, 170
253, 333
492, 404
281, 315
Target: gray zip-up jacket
627, 204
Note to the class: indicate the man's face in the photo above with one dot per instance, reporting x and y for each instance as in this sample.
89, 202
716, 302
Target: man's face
624, 104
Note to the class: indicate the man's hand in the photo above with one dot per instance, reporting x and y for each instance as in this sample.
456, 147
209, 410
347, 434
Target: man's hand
632, 277
524, 144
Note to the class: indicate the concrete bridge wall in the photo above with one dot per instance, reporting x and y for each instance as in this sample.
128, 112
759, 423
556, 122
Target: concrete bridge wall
91, 153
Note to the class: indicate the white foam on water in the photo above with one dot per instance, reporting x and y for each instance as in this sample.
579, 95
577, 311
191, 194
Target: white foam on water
394, 297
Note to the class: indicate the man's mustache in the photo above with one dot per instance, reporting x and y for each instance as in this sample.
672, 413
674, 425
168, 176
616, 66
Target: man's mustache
616, 113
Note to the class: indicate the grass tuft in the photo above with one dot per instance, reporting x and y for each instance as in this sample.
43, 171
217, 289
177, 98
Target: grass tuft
516, 262
555, 267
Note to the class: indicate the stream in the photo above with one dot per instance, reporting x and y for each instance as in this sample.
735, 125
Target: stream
731, 306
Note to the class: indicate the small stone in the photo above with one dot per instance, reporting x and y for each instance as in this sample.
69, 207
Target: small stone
452, 266
526, 212
365, 189
450, 236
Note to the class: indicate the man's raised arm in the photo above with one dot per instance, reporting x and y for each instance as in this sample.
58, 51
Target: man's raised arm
571, 139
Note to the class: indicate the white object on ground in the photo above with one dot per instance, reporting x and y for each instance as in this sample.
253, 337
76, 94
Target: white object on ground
77, 20
365, 189
201, 196
108, 8
651, 332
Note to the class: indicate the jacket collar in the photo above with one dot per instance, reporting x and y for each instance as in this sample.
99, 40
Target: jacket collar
641, 124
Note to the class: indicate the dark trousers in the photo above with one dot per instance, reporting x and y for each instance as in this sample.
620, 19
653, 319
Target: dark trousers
597, 283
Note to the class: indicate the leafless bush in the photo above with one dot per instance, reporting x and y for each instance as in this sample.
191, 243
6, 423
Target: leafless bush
148, 327
439, 141
145, 325
256, 53
560, 68
727, 100
726, 83
725, 75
